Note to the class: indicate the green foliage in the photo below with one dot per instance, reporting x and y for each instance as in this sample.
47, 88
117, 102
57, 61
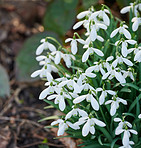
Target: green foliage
88, 3
60, 16
4, 83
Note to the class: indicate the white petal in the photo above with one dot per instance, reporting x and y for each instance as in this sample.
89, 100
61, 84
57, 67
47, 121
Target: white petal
111, 92
79, 99
68, 40
78, 24
62, 104
86, 129
117, 119
85, 56
93, 34
114, 33
100, 38
52, 97
113, 109
97, 51
40, 49
92, 130
108, 102
133, 131
125, 9
105, 75
82, 113
49, 77
98, 122
51, 47
125, 140
106, 19
135, 26
127, 34
74, 46
119, 131
119, 77
81, 41
36, 73
44, 93
82, 14
94, 103
128, 62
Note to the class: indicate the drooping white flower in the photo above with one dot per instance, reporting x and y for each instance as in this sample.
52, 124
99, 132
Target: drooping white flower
67, 58
63, 126
89, 52
138, 56
126, 135
136, 23
115, 104
86, 86
45, 45
102, 14
104, 94
121, 124
74, 48
122, 30
58, 56
128, 73
124, 44
114, 72
132, 7
76, 111
60, 98
121, 60
88, 127
89, 98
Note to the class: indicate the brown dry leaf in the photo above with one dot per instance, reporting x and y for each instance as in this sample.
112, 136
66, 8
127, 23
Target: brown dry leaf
5, 136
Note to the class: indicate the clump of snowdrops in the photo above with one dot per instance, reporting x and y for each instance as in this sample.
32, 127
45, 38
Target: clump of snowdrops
99, 79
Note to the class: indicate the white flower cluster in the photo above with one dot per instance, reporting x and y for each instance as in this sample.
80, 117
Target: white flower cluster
87, 99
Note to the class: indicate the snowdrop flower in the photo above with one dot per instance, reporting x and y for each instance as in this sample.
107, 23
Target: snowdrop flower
90, 122
136, 23
76, 111
128, 73
126, 9
45, 45
128, 146
102, 14
125, 43
114, 72
49, 90
72, 85
96, 68
74, 48
120, 60
107, 64
121, 124
63, 125
58, 56
104, 94
94, 28
86, 86
60, 98
115, 104
138, 56
89, 98
122, 30
139, 116
67, 59
126, 135
89, 52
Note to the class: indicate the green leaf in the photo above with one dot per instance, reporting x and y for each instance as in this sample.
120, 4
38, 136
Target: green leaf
4, 82
26, 63
60, 16
132, 85
125, 89
49, 118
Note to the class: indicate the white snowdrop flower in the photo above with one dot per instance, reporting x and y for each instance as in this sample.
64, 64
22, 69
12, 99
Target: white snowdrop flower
126, 135
89, 98
58, 56
136, 23
63, 126
76, 111
132, 7
121, 60
94, 28
139, 116
84, 75
104, 94
72, 85
102, 14
124, 44
86, 86
138, 56
49, 90
88, 127
114, 72
45, 45
122, 30
67, 59
60, 98
128, 73
115, 104
121, 124
89, 52
107, 64
128, 146
74, 48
